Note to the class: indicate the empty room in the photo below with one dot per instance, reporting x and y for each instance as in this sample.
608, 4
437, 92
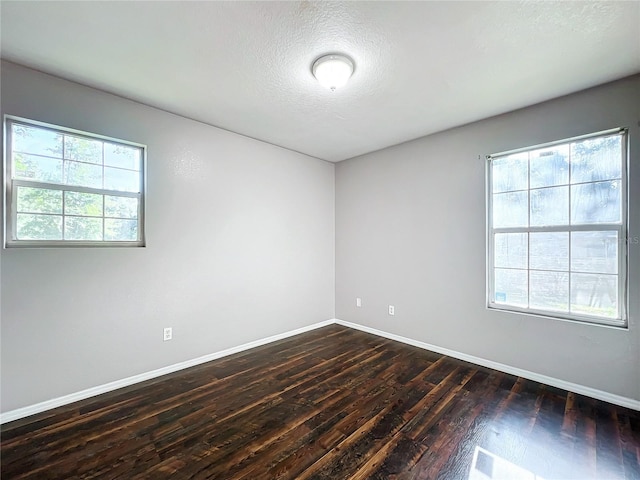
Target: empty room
320, 240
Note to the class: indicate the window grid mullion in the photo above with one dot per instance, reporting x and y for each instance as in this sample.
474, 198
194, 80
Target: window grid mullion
75, 188
103, 215
103, 197
64, 195
595, 227
601, 180
14, 211
570, 259
529, 230
60, 159
64, 214
103, 166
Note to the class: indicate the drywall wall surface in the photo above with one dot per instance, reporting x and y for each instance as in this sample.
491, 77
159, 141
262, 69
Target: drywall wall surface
410, 231
240, 246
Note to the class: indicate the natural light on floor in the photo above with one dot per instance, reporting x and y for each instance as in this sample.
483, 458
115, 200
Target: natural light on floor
487, 465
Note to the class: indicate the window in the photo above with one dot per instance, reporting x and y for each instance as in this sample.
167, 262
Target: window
65, 187
557, 226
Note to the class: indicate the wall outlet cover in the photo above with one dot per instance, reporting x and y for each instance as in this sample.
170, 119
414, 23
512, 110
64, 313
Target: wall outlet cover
168, 333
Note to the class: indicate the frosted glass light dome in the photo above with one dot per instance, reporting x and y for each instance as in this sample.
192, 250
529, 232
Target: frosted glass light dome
333, 71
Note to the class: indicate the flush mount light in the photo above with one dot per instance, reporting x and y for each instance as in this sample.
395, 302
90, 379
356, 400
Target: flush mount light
333, 71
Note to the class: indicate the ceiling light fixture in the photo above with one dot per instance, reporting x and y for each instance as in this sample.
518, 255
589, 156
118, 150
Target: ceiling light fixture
333, 71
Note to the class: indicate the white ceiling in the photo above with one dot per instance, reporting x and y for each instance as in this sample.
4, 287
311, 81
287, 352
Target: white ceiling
421, 67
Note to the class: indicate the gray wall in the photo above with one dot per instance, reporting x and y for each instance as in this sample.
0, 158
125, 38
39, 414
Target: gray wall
410, 231
240, 241
240, 246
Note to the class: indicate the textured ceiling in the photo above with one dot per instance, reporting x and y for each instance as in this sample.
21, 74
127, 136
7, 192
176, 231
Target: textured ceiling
421, 67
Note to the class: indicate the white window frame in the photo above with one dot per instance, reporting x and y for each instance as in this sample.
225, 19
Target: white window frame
10, 184
622, 230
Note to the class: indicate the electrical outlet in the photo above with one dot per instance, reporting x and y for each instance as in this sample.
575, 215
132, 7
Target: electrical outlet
168, 333
358, 302
392, 310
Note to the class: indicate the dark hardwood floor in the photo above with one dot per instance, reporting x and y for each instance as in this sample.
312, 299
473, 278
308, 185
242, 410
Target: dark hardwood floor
334, 403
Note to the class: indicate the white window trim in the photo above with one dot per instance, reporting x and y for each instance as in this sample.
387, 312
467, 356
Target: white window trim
623, 228
9, 213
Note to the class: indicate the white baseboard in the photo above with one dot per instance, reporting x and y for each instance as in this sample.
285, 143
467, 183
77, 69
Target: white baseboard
519, 372
125, 382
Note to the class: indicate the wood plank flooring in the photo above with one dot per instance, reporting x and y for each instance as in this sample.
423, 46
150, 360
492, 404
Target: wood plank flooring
334, 403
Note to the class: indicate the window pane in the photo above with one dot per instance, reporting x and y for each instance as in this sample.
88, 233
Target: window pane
510, 210
594, 294
549, 291
41, 169
88, 204
68, 185
82, 149
121, 230
596, 203
123, 180
549, 251
510, 287
39, 200
596, 159
82, 228
122, 156
38, 227
83, 174
122, 207
35, 140
595, 252
556, 218
550, 166
510, 173
511, 250
550, 206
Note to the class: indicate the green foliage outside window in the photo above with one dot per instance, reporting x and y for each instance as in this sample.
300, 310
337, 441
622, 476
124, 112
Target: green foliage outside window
72, 187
